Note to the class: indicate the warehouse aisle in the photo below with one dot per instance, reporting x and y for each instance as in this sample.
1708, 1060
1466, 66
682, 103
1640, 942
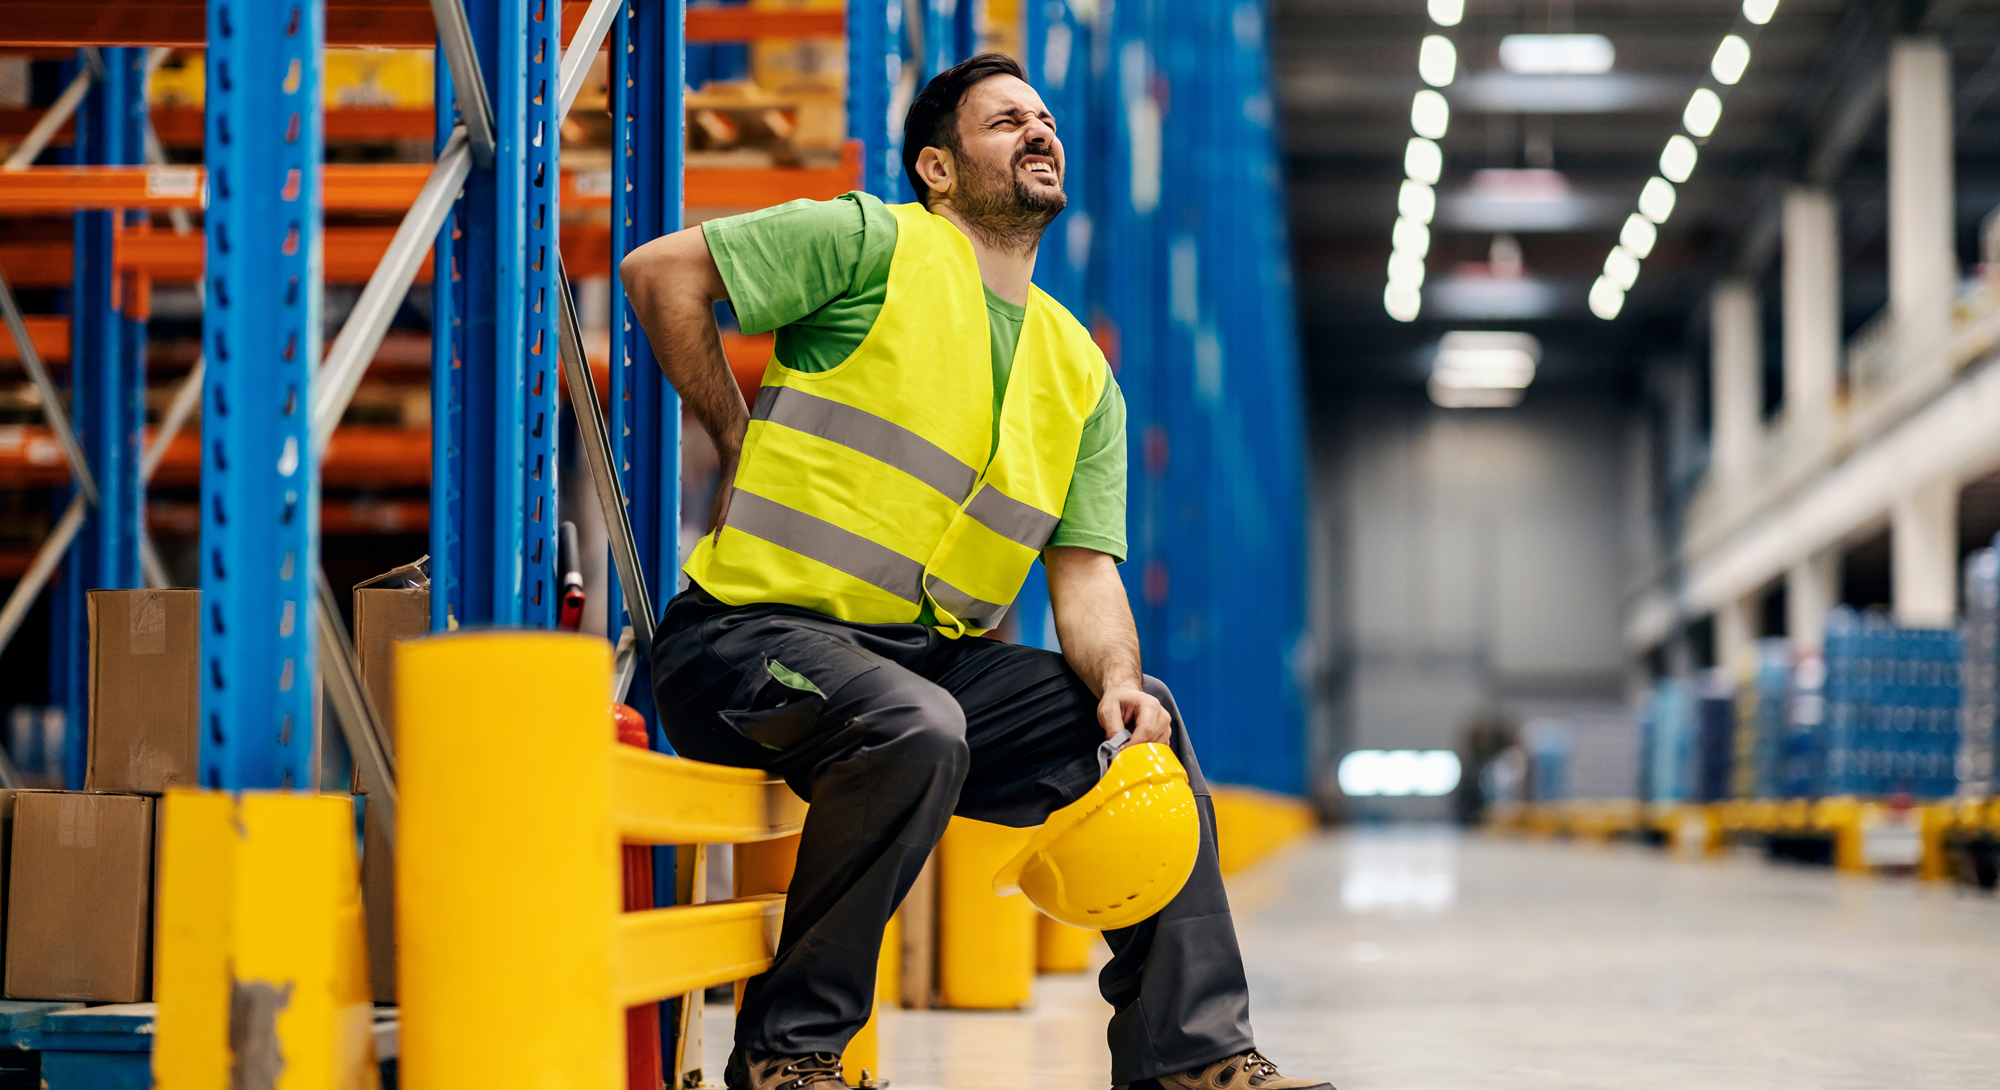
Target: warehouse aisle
1422, 959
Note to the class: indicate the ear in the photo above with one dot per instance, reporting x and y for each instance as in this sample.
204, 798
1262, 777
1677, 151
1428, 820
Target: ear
935, 167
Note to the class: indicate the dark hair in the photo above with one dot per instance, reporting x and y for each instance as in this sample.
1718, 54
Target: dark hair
933, 118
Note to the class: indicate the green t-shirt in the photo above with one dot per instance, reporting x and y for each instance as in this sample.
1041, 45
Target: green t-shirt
817, 272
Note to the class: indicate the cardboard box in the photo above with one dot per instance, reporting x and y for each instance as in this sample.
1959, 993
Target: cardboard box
6, 843
145, 690
384, 616
80, 897
389, 608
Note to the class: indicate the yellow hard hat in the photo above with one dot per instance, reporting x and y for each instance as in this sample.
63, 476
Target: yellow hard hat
1118, 854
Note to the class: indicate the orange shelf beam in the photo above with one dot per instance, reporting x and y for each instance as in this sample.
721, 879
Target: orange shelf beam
358, 457
50, 334
393, 187
181, 126
399, 23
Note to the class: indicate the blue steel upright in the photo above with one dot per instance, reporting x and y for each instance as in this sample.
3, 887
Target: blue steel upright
874, 65
645, 418
493, 360
261, 332
107, 391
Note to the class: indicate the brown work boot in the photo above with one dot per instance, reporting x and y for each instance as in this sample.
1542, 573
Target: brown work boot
773, 1071
1243, 1071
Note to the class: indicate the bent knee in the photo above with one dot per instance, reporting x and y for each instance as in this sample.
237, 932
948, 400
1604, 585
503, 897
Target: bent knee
931, 727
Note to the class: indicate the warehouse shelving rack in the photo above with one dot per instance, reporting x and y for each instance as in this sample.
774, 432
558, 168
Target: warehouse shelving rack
492, 519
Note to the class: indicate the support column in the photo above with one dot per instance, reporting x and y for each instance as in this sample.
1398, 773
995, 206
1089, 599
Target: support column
1812, 313
1812, 589
1923, 555
1923, 262
1736, 372
261, 335
1735, 636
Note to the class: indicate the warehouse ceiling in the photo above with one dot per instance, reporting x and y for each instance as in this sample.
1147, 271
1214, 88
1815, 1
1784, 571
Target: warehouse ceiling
1809, 106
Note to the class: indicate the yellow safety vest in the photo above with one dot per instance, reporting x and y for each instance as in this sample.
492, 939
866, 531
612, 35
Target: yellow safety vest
867, 487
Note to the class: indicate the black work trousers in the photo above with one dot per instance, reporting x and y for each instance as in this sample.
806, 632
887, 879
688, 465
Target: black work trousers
888, 730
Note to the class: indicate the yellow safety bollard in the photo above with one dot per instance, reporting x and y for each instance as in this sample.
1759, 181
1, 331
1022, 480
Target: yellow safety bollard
262, 970
1060, 948
506, 866
986, 943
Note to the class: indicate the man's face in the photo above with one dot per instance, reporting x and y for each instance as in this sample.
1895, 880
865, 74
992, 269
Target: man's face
1011, 162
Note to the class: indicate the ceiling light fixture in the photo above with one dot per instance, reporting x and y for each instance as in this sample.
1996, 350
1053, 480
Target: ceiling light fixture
1678, 159
1406, 270
1606, 298
1757, 11
1449, 12
1430, 114
1557, 54
1437, 60
1409, 236
1403, 304
1731, 58
1704, 109
1416, 200
1656, 201
1423, 160
1469, 360
1638, 235
1622, 268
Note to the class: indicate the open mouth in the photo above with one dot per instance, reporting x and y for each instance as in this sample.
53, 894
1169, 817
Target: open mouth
1040, 166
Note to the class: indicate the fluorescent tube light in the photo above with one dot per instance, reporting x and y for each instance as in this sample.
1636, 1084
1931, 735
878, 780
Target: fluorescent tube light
1704, 109
1430, 114
1398, 772
1416, 201
1423, 160
1677, 161
1478, 360
1731, 58
1449, 12
1437, 60
1639, 235
1656, 201
1757, 11
1447, 397
1557, 54
1411, 237
1606, 298
1622, 268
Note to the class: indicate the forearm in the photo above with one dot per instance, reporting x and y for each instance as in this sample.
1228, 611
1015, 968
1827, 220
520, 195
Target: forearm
673, 286
1093, 618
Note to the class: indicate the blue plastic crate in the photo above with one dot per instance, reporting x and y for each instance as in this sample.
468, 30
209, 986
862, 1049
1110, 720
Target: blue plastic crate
99, 1048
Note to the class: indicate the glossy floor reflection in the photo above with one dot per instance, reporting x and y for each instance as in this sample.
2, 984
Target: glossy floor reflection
1416, 958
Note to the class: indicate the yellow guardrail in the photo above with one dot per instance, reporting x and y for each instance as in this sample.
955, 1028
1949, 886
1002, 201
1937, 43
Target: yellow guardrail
517, 962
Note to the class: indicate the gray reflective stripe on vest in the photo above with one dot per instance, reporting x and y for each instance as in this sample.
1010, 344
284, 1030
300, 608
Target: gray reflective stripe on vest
1012, 519
863, 431
975, 612
821, 540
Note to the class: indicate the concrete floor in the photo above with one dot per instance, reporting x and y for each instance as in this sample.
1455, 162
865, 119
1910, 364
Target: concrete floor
1419, 958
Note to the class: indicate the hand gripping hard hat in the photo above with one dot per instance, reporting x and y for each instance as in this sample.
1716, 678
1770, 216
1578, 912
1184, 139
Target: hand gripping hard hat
1118, 854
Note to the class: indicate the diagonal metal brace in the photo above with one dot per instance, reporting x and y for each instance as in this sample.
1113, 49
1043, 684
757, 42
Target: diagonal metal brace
347, 361
468, 84
59, 111
52, 408
590, 33
597, 452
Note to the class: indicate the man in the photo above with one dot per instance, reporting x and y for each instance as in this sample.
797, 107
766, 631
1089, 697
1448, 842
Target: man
928, 425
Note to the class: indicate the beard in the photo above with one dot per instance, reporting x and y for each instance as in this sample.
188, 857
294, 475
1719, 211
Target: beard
1003, 209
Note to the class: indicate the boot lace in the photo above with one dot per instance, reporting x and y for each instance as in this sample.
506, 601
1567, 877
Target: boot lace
808, 1069
1258, 1068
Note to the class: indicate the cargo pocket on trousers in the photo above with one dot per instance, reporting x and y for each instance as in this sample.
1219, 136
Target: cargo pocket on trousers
775, 706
